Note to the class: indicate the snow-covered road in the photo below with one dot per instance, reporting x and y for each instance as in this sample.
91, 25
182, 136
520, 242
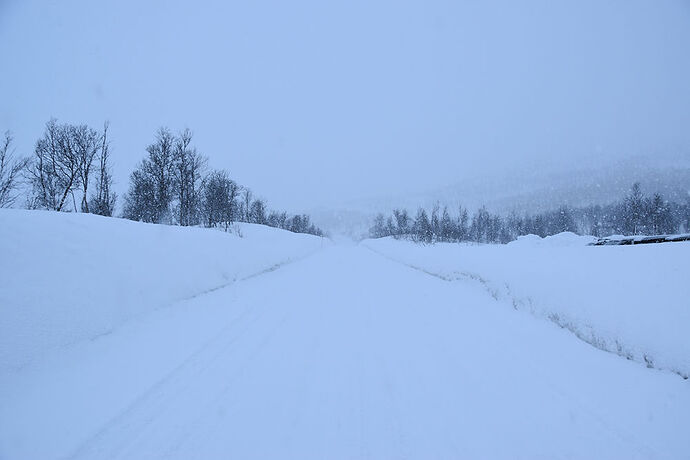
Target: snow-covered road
344, 354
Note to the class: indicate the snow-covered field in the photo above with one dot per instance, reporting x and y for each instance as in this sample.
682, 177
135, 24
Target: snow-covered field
67, 278
316, 350
630, 300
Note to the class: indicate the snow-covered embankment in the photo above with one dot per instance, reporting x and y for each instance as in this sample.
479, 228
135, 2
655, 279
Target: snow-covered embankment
67, 278
629, 300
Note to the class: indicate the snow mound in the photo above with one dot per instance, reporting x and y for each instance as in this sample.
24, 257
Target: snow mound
66, 278
564, 239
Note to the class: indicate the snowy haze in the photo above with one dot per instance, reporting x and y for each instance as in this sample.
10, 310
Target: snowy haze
315, 103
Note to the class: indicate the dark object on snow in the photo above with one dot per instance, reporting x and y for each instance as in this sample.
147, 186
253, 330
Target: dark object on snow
640, 240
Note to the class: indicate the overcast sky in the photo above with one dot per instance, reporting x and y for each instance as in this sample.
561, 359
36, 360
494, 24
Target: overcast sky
316, 102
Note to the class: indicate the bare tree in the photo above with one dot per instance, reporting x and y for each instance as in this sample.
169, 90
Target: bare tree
422, 227
277, 219
187, 172
55, 171
257, 212
218, 199
62, 164
447, 227
10, 170
246, 205
378, 230
43, 171
151, 189
463, 224
634, 211
160, 167
103, 201
235, 190
402, 222
87, 143
140, 199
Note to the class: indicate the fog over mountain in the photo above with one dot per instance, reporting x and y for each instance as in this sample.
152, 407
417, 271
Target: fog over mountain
528, 192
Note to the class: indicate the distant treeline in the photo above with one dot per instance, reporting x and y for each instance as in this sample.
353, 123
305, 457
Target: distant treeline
70, 171
636, 214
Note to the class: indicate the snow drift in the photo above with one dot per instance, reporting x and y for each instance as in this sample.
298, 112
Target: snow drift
66, 278
629, 300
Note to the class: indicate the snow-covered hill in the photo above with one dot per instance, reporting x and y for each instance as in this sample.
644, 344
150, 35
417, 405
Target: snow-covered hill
67, 278
630, 300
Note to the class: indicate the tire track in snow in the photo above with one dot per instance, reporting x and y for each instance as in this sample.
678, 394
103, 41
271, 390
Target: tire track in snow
127, 426
153, 401
272, 268
196, 425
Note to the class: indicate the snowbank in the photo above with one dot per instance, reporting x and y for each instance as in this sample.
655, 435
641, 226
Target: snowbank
630, 300
66, 278
564, 239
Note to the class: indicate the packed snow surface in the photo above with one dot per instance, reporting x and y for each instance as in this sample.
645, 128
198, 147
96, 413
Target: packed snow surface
630, 300
341, 353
